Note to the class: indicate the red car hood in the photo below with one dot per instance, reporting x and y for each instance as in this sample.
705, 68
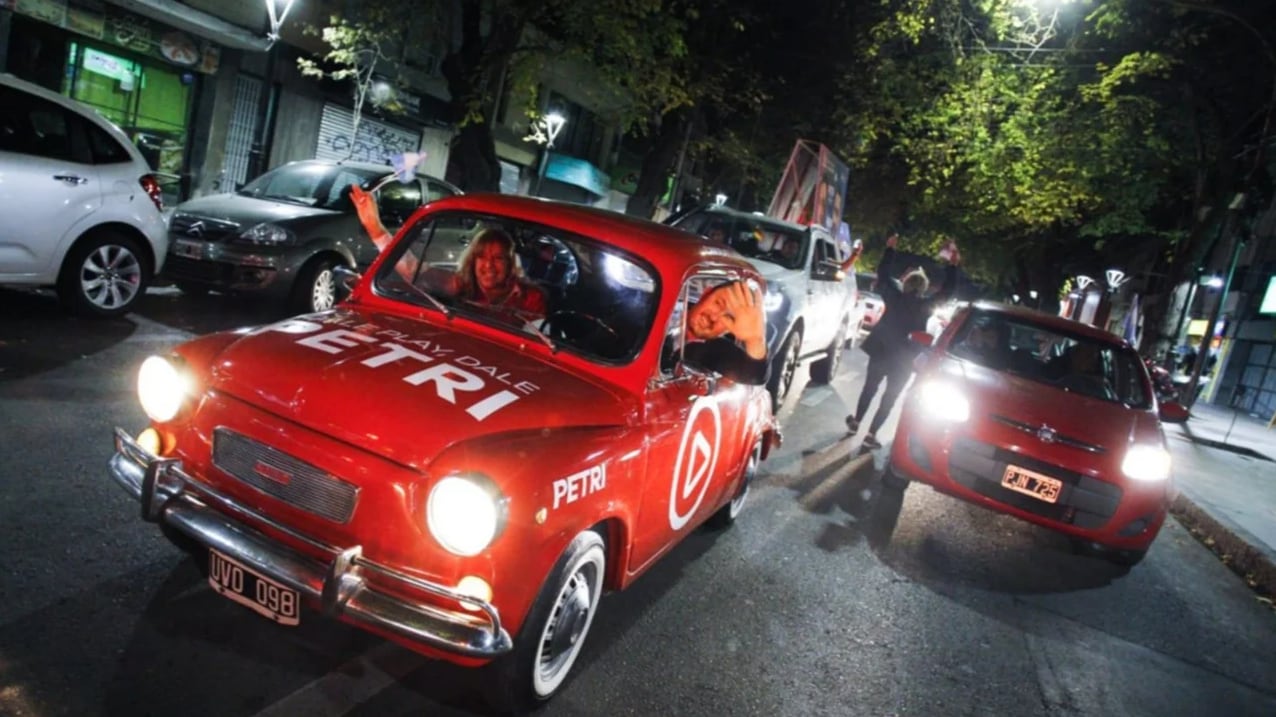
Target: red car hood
401, 388
1072, 416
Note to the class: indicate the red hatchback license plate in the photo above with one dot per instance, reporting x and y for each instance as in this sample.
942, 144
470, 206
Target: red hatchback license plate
247, 587
1041, 487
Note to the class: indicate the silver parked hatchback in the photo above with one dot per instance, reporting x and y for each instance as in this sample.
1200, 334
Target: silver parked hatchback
82, 211
281, 235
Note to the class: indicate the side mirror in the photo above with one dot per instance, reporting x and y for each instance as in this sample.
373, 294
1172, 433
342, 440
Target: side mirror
1173, 412
826, 271
921, 338
346, 276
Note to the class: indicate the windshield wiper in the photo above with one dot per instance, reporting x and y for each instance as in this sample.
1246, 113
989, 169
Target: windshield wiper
553, 347
418, 291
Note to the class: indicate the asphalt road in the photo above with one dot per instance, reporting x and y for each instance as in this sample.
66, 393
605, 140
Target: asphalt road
809, 605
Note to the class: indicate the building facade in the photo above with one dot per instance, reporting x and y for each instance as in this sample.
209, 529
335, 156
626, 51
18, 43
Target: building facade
186, 81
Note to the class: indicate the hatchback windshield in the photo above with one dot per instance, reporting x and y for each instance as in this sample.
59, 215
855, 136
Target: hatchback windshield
568, 291
1071, 362
324, 186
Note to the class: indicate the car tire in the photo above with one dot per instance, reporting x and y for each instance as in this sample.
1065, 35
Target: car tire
893, 480
316, 288
783, 370
558, 622
823, 370
726, 515
103, 275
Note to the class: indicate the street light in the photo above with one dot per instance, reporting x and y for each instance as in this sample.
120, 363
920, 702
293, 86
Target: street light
553, 125
277, 10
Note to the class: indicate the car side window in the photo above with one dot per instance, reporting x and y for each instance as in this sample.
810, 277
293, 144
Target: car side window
105, 148
675, 335
15, 127
31, 125
397, 202
435, 190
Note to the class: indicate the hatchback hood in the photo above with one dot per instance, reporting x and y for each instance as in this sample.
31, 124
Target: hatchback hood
1005, 397
401, 388
248, 211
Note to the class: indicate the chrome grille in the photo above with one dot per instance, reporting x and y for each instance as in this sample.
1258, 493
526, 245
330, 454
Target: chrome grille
202, 228
1054, 437
280, 475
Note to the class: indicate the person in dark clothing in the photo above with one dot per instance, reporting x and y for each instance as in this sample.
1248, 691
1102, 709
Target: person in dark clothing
726, 333
890, 352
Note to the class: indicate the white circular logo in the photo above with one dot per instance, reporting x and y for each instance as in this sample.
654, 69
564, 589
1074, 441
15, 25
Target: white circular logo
697, 460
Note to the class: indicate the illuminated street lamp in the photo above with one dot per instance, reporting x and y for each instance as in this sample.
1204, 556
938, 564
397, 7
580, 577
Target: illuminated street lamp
553, 125
277, 10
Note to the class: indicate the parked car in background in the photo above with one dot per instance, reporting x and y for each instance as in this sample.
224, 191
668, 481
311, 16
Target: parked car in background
82, 211
1043, 418
444, 473
282, 234
810, 301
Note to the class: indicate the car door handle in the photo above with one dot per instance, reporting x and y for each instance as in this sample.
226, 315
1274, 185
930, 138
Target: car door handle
71, 178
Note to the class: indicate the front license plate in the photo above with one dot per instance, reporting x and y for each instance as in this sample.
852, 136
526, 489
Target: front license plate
248, 587
1041, 487
188, 248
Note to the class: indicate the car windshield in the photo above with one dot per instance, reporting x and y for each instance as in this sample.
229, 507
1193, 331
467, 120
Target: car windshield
323, 186
753, 236
1071, 362
572, 292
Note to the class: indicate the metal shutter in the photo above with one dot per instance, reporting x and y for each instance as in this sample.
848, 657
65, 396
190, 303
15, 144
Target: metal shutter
239, 135
377, 141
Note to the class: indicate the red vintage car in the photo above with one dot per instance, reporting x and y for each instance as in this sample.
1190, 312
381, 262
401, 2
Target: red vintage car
436, 473
1043, 418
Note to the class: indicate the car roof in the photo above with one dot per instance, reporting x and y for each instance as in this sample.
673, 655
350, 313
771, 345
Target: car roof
755, 216
1052, 321
368, 167
666, 246
81, 109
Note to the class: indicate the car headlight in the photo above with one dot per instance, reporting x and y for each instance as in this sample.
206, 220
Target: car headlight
163, 388
944, 401
1144, 462
465, 513
773, 300
266, 233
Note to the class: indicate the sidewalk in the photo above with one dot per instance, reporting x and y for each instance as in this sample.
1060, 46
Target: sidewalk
1225, 473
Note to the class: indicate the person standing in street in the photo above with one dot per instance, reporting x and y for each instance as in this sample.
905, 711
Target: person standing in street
890, 351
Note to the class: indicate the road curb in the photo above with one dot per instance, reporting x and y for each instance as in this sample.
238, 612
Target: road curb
1251, 564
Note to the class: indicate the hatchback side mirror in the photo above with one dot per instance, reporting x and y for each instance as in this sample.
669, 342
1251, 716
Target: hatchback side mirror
346, 276
1173, 412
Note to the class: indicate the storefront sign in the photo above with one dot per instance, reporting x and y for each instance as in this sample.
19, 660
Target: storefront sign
125, 29
577, 172
108, 65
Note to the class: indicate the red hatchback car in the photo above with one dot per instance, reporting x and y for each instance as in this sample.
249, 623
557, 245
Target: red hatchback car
1043, 418
430, 471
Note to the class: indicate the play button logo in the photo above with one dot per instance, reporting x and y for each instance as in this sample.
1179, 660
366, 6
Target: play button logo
697, 461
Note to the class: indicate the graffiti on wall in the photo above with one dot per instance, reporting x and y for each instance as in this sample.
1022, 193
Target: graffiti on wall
375, 144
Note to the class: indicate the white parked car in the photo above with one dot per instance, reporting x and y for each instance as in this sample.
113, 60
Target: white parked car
82, 211
810, 301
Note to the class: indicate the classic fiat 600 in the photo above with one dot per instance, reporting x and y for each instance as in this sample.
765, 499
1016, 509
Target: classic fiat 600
1046, 419
452, 476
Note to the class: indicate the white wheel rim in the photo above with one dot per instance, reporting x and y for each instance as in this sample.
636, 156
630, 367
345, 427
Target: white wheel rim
110, 276
324, 291
584, 583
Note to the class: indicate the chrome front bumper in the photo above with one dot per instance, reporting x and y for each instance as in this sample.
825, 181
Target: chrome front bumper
168, 494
